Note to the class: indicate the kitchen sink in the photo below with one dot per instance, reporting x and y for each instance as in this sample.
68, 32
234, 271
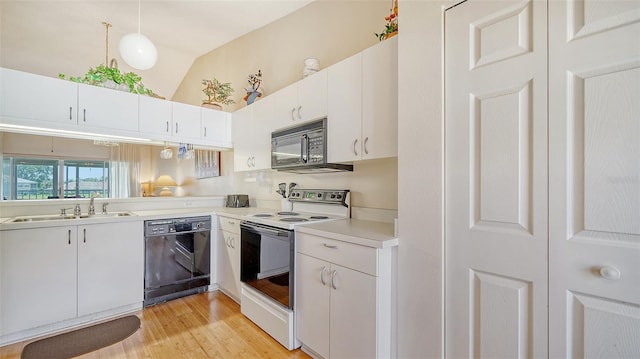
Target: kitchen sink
67, 217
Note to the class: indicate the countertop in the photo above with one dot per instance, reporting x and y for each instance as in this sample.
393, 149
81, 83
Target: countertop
140, 215
356, 231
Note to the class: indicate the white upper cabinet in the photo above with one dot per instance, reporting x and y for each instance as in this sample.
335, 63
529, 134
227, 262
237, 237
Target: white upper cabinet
252, 126
312, 97
216, 127
363, 105
40, 101
300, 102
380, 100
107, 108
29, 97
155, 117
344, 123
186, 121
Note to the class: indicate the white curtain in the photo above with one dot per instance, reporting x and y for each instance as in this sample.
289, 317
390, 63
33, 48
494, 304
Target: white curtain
124, 164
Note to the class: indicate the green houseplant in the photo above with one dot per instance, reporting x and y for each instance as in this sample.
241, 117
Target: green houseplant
218, 93
111, 77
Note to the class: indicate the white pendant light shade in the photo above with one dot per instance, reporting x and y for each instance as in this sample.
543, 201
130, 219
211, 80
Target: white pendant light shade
138, 51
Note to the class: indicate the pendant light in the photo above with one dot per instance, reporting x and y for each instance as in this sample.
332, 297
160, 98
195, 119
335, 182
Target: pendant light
137, 50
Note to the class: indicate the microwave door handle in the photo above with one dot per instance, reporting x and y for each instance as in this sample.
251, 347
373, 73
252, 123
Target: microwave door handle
304, 144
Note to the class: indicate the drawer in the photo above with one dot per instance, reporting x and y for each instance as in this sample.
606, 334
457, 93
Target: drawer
229, 224
357, 257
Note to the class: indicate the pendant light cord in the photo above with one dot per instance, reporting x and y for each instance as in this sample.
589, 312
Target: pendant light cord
139, 1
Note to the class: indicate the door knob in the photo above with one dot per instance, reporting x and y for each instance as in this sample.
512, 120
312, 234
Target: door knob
610, 273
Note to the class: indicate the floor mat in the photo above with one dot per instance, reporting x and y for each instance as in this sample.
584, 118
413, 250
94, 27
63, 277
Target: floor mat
82, 341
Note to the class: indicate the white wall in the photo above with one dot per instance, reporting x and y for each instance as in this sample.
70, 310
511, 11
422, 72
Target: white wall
420, 172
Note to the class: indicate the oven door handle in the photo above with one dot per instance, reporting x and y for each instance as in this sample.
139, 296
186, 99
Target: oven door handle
260, 229
304, 150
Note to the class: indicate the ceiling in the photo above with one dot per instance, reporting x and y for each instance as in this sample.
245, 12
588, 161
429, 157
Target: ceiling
49, 37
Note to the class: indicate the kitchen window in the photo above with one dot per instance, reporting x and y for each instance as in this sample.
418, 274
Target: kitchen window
38, 178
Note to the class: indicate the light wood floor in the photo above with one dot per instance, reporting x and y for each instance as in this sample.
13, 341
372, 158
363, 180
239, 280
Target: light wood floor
207, 325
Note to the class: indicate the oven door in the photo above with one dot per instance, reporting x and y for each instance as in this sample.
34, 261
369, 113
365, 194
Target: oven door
266, 261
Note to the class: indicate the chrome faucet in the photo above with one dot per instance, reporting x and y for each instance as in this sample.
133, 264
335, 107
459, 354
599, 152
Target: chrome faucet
92, 207
76, 210
104, 207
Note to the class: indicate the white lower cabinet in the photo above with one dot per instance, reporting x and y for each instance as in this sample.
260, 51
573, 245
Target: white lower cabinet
53, 274
110, 266
228, 260
38, 269
343, 298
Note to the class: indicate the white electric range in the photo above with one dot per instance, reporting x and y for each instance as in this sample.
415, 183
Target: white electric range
267, 258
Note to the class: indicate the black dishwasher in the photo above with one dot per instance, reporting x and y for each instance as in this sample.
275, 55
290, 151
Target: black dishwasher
177, 258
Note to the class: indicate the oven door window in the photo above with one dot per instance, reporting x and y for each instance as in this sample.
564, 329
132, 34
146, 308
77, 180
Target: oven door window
266, 265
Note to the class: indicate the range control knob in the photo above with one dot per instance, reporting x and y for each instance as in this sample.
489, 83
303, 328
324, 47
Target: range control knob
333, 196
339, 196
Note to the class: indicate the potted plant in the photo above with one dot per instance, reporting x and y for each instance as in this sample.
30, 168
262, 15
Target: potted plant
111, 77
391, 27
218, 93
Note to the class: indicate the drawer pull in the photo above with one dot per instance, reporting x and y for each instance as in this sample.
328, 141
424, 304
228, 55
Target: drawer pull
333, 281
330, 246
324, 269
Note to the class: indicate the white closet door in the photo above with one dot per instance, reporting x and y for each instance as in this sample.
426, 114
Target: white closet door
594, 187
496, 179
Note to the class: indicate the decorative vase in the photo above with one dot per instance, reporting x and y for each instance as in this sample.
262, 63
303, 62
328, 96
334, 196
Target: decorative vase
214, 106
252, 96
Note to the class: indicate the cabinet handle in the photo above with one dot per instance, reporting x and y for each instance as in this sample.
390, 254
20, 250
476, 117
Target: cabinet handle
205, 131
167, 130
248, 161
610, 273
232, 223
355, 142
70, 113
299, 117
84, 239
69, 236
233, 242
84, 114
366, 151
324, 269
333, 282
176, 127
292, 111
330, 246
253, 161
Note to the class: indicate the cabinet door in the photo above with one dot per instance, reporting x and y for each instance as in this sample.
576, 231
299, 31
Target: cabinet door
186, 121
285, 106
107, 108
216, 127
110, 266
38, 269
312, 97
228, 267
263, 112
353, 313
155, 117
33, 97
344, 122
242, 137
313, 278
380, 100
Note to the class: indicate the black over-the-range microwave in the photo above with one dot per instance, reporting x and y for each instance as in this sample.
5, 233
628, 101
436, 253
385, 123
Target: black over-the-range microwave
303, 149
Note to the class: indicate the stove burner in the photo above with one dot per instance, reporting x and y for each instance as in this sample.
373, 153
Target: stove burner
288, 214
293, 219
263, 215
318, 217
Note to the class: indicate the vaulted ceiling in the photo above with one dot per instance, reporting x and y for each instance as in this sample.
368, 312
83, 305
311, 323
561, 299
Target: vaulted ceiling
49, 37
